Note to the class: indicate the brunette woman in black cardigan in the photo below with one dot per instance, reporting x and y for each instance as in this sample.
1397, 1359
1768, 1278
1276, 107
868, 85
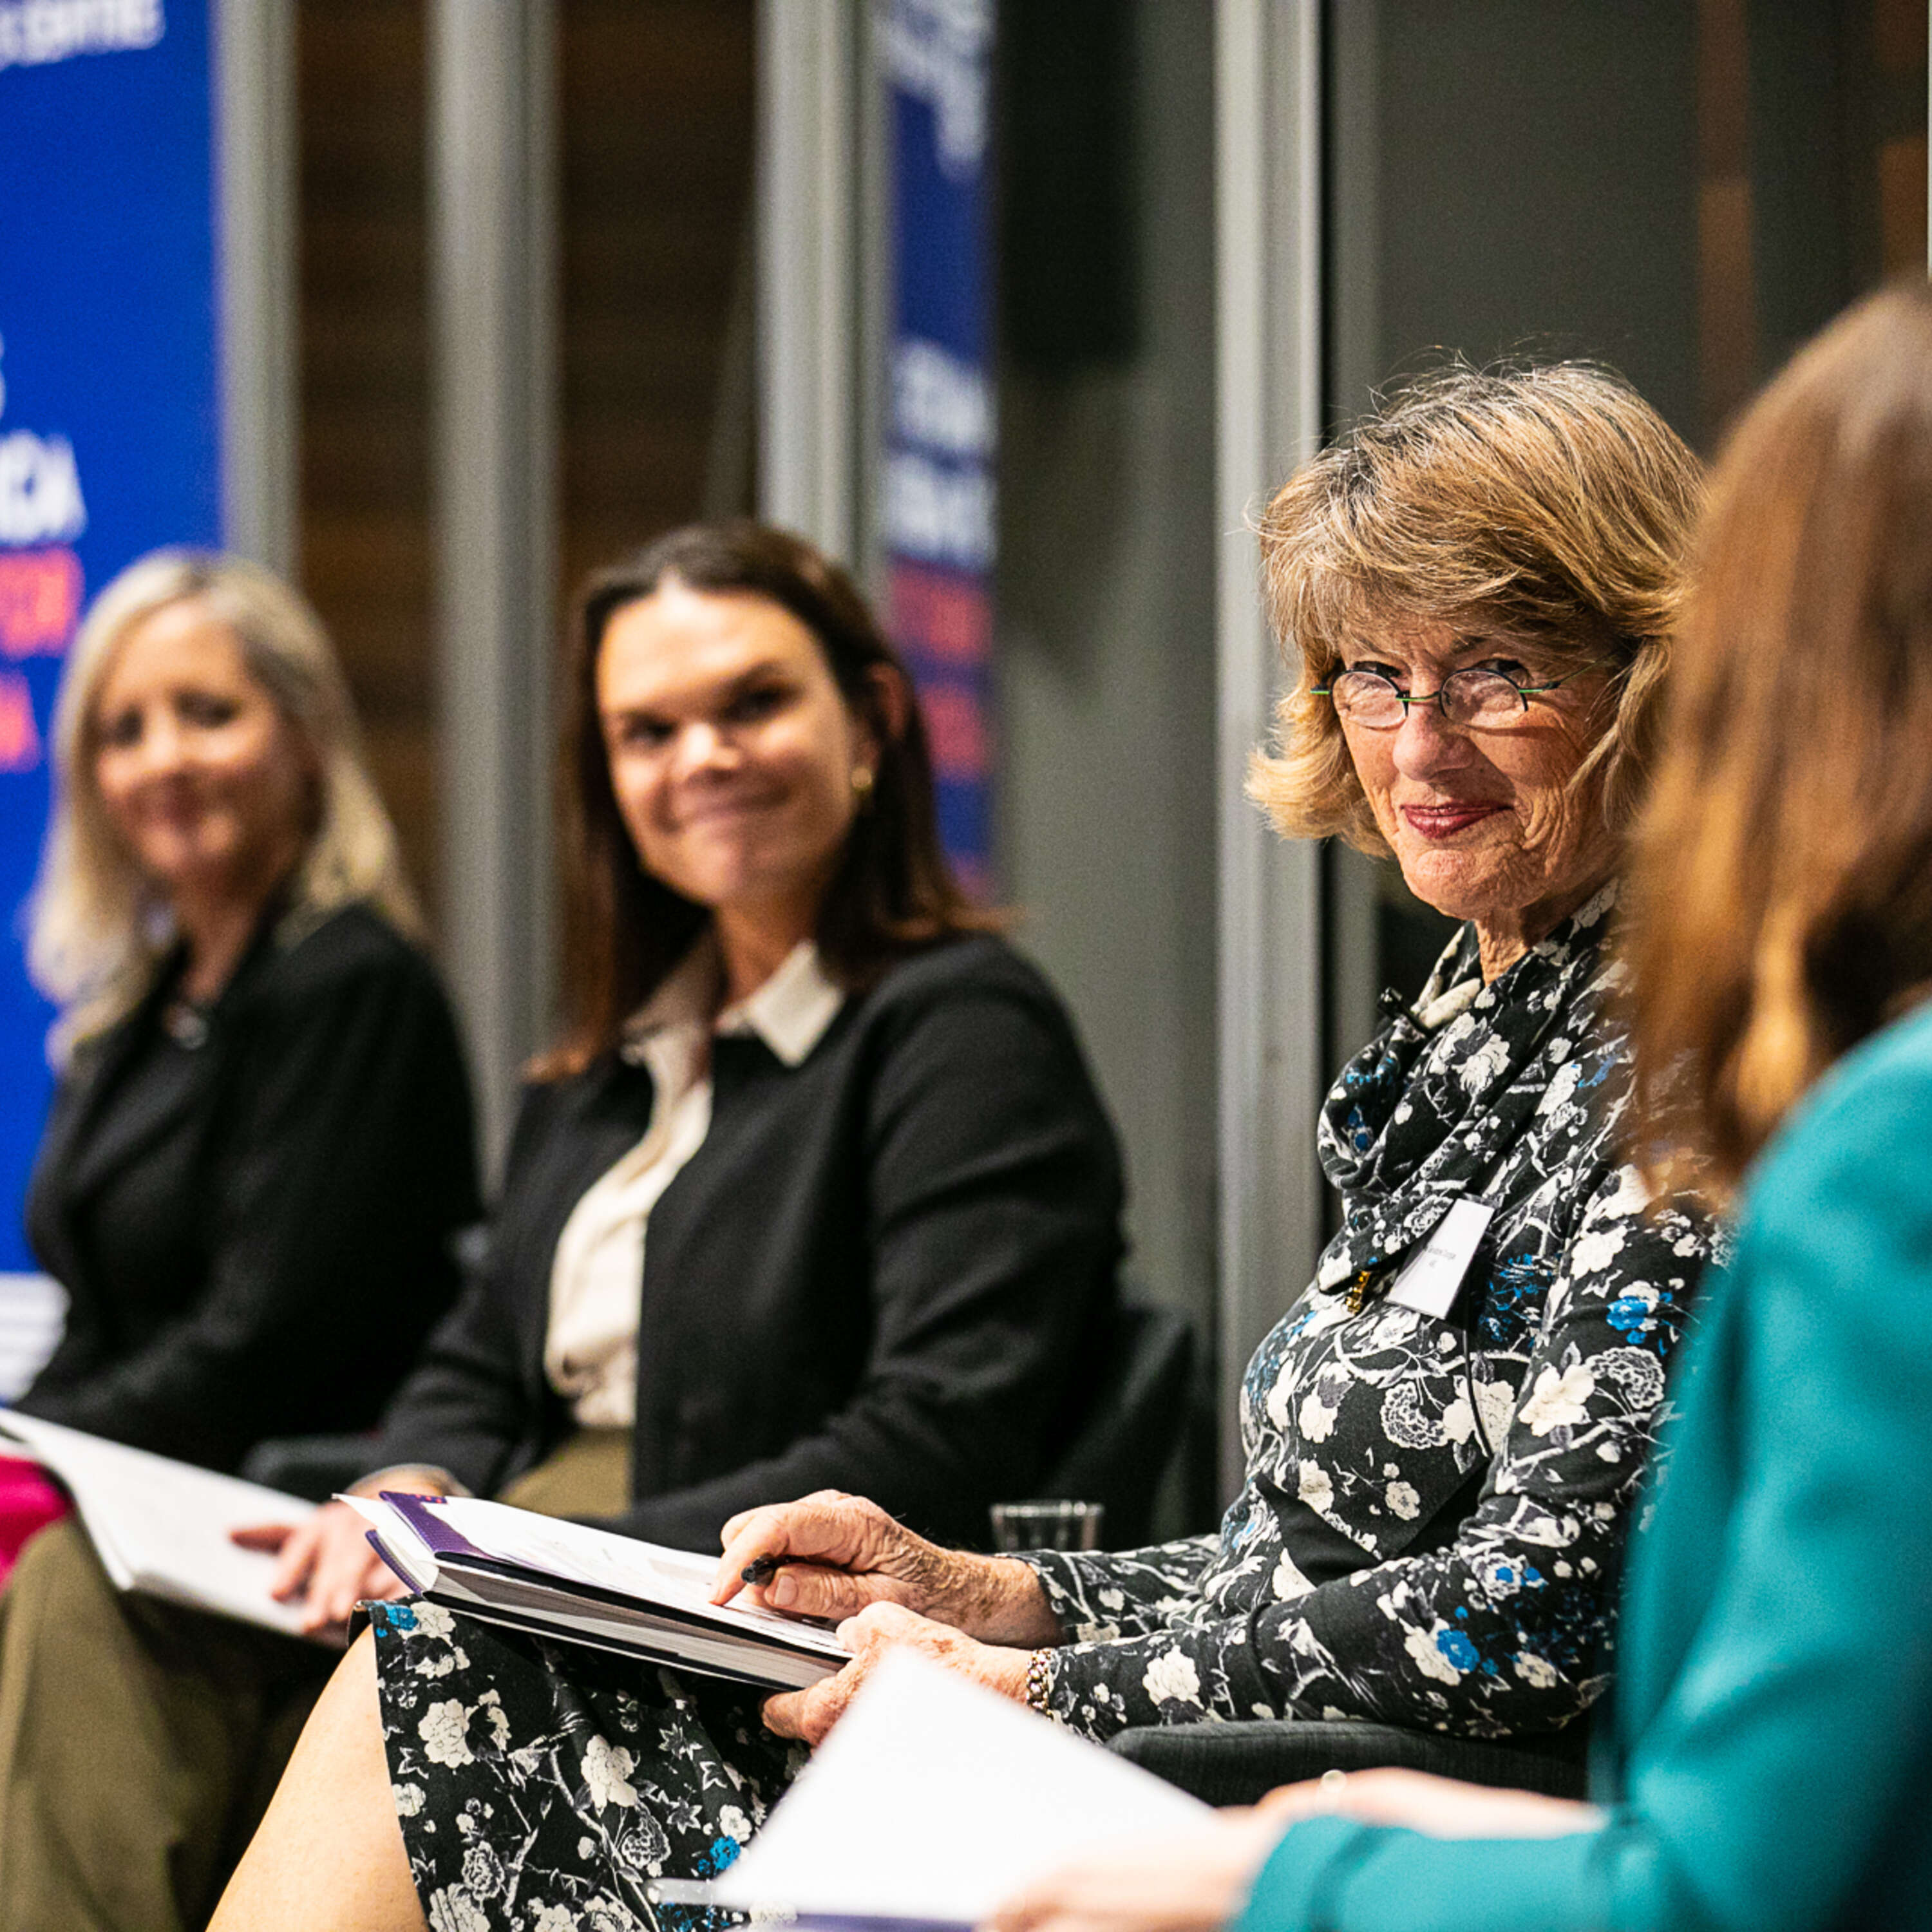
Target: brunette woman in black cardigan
258, 1159
841, 1137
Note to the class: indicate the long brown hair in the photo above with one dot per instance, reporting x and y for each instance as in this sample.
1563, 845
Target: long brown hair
893, 893
1781, 903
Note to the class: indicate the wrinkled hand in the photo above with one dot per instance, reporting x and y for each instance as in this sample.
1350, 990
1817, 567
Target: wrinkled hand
841, 1554
1188, 1884
811, 1714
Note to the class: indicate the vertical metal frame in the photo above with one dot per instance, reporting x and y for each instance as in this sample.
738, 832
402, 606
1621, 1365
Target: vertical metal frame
1268, 158
255, 105
493, 222
811, 55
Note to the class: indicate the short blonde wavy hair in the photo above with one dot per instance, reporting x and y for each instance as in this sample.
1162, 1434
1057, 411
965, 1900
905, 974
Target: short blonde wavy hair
99, 928
1550, 502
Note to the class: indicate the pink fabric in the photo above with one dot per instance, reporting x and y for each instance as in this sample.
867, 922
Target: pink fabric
28, 1502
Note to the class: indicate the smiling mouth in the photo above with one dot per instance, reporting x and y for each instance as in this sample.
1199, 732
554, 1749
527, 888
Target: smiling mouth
1445, 821
718, 811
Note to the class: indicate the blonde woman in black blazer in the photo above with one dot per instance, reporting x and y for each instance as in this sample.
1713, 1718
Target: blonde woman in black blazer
258, 1160
251, 1202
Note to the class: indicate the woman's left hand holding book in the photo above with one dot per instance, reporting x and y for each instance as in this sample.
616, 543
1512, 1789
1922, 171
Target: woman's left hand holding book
328, 1561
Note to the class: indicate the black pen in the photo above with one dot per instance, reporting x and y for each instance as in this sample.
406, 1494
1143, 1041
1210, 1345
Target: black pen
761, 1569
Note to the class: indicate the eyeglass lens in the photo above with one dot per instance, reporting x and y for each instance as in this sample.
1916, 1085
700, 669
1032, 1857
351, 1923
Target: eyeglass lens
1483, 697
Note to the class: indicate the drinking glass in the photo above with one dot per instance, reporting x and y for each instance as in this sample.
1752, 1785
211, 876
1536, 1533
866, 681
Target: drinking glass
1048, 1526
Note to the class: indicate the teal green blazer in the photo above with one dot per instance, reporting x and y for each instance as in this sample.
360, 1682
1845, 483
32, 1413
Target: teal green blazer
1767, 1764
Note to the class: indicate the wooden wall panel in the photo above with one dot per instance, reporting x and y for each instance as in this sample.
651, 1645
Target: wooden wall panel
656, 129
365, 438
655, 126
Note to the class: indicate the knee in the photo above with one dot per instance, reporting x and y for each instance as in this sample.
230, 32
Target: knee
347, 1722
58, 1584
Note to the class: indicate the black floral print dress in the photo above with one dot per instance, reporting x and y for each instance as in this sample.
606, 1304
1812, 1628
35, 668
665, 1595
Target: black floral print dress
543, 1786
1429, 1533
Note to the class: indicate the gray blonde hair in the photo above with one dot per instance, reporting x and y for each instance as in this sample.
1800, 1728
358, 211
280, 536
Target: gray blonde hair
99, 928
1550, 500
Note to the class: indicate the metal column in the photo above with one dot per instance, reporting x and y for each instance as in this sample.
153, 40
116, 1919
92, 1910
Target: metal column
255, 54
810, 311
1267, 78
494, 221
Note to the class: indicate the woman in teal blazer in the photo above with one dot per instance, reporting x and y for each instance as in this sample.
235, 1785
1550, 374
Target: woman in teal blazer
1768, 1763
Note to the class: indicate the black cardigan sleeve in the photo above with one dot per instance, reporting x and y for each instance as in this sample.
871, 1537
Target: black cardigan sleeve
341, 1169
992, 1219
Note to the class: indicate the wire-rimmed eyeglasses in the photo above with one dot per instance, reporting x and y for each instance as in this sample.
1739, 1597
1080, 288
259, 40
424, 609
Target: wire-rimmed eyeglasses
1485, 699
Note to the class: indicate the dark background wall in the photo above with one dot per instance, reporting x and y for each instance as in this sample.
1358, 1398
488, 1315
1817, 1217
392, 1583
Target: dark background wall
1514, 174
1686, 189
365, 543
1105, 579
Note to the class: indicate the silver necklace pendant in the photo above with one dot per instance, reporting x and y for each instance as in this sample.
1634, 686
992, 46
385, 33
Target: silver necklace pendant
185, 1023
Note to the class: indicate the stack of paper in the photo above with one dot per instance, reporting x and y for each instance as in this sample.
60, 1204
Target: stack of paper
162, 1527
935, 1800
584, 1585
33, 1309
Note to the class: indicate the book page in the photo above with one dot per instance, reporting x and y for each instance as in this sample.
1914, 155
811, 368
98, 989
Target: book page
398, 1544
161, 1526
576, 1553
937, 1799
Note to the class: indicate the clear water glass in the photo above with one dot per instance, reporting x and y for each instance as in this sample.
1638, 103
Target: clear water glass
1048, 1526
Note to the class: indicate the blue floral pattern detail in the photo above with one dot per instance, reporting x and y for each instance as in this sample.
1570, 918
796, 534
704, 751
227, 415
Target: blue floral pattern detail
1434, 1510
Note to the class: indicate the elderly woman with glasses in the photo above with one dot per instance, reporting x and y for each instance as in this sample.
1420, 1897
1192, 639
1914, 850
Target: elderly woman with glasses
1446, 1428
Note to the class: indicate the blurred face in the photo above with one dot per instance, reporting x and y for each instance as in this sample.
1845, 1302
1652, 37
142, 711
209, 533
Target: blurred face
200, 774
731, 747
1484, 821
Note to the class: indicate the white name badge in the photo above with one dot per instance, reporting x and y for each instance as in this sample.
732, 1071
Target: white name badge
1430, 1277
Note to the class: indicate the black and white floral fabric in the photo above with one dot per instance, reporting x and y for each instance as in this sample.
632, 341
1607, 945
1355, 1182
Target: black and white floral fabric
1428, 1535
1429, 1531
541, 1788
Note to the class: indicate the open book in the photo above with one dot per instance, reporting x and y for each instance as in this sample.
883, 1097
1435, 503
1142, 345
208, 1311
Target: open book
566, 1580
161, 1527
934, 1801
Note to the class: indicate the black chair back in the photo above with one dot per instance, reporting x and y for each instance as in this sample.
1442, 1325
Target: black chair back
1139, 1413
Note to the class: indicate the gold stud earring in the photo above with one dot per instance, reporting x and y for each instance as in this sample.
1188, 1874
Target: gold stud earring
862, 783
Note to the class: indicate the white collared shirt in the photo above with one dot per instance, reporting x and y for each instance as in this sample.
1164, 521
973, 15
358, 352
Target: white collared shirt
596, 1281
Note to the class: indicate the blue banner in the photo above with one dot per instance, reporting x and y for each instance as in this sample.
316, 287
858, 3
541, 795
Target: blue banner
938, 499
109, 419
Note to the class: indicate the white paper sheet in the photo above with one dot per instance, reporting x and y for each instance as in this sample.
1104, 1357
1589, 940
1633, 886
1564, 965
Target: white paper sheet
936, 1799
161, 1527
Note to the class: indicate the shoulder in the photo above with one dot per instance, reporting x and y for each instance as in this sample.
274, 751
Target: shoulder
351, 969
1834, 1222
974, 995
1861, 1132
968, 1023
353, 947
962, 972
555, 1112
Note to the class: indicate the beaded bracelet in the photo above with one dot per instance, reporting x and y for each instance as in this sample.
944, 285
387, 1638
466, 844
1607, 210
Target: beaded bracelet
1038, 1665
